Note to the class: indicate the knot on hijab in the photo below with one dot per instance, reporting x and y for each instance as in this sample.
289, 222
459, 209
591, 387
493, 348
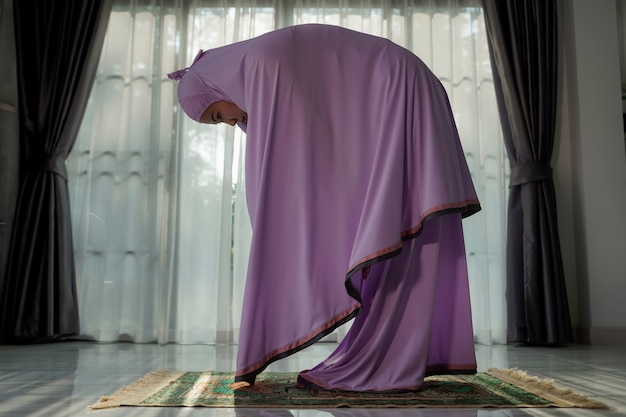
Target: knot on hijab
178, 74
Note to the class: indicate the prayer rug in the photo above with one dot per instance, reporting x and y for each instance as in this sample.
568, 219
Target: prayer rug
499, 388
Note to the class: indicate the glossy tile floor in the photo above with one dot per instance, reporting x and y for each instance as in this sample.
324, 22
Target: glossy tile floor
63, 379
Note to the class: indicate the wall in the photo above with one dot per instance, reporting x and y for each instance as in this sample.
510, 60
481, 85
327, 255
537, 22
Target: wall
590, 171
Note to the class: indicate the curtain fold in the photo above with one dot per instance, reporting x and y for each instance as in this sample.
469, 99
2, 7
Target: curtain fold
523, 43
58, 47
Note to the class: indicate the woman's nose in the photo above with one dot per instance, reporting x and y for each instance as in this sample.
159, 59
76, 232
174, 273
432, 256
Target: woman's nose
231, 122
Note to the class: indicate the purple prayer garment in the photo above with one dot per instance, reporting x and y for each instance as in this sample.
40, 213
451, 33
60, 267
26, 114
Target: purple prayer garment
353, 163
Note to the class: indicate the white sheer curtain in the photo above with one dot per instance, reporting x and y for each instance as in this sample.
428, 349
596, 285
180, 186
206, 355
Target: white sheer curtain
161, 228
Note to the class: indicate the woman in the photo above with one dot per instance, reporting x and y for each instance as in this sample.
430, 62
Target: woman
356, 184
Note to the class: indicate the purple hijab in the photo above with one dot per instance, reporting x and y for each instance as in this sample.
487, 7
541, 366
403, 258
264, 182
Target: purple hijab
351, 150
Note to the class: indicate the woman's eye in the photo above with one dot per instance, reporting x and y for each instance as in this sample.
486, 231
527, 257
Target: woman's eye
219, 117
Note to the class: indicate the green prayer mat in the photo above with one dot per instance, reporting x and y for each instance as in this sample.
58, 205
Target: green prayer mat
500, 388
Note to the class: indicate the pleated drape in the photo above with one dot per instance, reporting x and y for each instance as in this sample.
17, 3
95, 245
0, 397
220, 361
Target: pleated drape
58, 45
522, 36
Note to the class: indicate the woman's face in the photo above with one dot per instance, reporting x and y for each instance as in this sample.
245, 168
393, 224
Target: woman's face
223, 112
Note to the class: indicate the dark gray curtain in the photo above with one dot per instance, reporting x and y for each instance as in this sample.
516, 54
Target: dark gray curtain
522, 36
58, 45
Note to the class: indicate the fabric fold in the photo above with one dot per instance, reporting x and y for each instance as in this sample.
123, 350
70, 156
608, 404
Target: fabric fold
351, 152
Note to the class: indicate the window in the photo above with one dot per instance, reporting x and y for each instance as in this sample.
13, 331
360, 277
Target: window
161, 229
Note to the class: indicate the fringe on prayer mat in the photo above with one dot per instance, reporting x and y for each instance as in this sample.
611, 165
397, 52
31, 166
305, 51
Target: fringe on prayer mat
496, 388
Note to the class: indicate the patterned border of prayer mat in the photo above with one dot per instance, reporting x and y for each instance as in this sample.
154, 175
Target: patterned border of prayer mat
499, 388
